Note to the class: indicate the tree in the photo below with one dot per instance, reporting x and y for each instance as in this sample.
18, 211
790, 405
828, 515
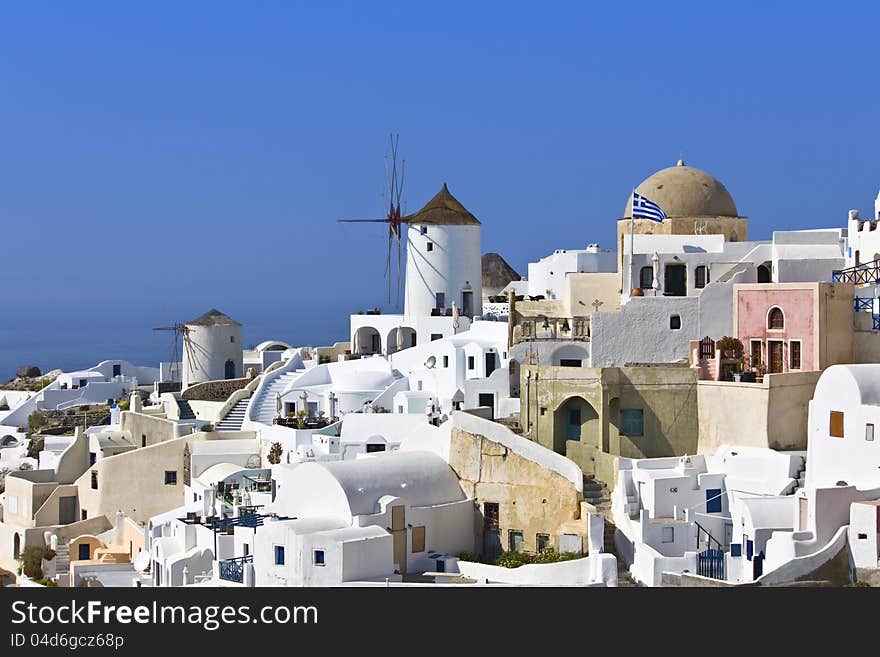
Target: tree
36, 421
275, 453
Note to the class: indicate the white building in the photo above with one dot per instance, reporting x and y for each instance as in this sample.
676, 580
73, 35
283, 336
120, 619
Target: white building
671, 511
364, 519
212, 349
547, 277
443, 258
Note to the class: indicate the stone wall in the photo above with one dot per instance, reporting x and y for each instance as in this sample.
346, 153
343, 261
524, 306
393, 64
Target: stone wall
214, 390
531, 498
666, 395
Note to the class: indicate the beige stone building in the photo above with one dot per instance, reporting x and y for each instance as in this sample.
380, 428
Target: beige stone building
694, 202
592, 415
526, 497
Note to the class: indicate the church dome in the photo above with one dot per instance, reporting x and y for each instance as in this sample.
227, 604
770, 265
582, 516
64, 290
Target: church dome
684, 191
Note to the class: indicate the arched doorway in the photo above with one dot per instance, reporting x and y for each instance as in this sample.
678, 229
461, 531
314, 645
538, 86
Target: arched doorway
763, 274
575, 419
230, 369
399, 338
367, 341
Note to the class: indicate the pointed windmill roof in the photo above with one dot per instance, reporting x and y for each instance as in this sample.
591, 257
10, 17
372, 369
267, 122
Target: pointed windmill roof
442, 210
213, 318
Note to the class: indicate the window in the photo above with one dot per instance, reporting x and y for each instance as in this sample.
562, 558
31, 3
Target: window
446, 361
757, 352
835, 428
794, 355
317, 557
232, 338
92, 458
736, 549
436, 336
675, 322
869, 432
423, 230
171, 477
668, 535
646, 278
84, 515
94, 480
701, 276
375, 447
713, 500
569, 362
418, 385
429, 246
632, 422
441, 299
143, 440
418, 539
279, 555
515, 540
470, 362
775, 319
542, 541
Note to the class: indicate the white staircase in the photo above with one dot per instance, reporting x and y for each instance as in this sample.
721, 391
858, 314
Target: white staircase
62, 564
264, 404
235, 417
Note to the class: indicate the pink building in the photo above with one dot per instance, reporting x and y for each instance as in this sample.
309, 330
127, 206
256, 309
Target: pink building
793, 327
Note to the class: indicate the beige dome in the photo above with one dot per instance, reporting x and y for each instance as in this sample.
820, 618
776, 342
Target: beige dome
684, 191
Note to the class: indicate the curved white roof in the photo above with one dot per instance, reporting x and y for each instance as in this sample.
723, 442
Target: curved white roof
861, 381
263, 346
219, 472
351, 488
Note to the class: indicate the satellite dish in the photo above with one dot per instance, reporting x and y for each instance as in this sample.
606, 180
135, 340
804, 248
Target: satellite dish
432, 360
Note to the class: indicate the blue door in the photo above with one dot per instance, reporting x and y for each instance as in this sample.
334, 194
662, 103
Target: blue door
713, 500
117, 370
84, 552
573, 428
230, 369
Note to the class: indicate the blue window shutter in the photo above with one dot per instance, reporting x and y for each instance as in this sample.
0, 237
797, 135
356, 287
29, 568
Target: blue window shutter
735, 550
750, 548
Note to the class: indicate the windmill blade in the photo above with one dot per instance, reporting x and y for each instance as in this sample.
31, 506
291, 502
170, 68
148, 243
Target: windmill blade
362, 221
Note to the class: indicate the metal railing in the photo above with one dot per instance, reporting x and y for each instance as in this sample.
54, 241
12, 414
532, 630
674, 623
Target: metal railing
232, 570
863, 304
867, 273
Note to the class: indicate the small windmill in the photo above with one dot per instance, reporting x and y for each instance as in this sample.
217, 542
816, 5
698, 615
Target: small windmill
394, 219
180, 342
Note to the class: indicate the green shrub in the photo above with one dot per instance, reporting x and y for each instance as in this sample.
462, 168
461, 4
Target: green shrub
46, 582
513, 559
549, 555
275, 453
468, 556
35, 446
36, 421
32, 560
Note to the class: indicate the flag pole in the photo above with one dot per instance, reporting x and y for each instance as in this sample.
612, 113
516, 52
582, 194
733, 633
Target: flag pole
632, 224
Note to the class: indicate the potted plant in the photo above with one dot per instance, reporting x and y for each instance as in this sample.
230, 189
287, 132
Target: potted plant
760, 371
730, 348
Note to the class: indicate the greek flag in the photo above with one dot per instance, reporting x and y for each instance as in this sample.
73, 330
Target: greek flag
645, 208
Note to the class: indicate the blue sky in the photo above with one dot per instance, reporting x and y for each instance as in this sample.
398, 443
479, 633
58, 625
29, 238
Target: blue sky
158, 159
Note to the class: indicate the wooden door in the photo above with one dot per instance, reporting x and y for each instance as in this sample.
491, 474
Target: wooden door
776, 349
802, 514
67, 510
675, 280
398, 533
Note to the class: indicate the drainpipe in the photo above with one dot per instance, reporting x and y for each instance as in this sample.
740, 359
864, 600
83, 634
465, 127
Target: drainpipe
511, 317
528, 402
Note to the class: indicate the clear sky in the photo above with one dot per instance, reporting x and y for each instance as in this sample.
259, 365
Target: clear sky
158, 159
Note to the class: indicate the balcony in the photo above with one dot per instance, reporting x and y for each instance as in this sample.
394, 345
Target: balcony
867, 273
232, 570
